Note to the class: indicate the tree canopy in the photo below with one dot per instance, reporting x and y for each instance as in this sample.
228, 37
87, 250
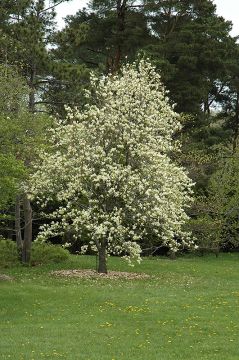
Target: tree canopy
111, 171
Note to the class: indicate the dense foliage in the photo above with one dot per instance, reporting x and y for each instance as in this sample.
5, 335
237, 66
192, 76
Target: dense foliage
110, 167
41, 254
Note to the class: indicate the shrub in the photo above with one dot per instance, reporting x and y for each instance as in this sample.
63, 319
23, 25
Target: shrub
43, 253
8, 253
207, 232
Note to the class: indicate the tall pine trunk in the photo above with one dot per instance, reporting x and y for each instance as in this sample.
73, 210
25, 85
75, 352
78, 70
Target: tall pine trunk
18, 226
27, 209
236, 125
27, 242
113, 62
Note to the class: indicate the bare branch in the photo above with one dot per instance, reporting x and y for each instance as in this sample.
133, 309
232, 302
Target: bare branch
97, 51
53, 6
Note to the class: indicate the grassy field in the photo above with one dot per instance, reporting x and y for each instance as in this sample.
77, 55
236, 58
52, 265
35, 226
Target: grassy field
188, 310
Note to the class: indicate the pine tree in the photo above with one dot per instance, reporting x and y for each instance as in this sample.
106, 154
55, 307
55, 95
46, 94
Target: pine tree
194, 52
188, 42
111, 31
27, 32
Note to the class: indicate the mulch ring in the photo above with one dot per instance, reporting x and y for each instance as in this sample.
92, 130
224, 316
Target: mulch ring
4, 277
86, 273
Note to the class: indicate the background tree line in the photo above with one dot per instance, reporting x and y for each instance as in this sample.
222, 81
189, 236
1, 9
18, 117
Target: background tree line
44, 70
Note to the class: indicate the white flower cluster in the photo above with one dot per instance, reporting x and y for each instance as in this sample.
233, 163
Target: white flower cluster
109, 167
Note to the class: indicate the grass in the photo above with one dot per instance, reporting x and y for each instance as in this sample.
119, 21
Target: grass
188, 311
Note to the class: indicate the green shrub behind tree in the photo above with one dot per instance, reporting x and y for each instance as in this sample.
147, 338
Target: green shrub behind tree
47, 253
41, 253
8, 253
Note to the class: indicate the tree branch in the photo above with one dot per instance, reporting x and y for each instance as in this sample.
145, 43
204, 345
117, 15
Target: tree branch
97, 51
52, 7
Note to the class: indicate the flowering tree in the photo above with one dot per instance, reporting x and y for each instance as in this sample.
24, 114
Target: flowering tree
109, 168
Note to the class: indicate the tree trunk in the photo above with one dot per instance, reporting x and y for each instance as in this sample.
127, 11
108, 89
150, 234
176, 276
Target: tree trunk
26, 250
113, 63
102, 267
206, 109
18, 227
236, 128
32, 94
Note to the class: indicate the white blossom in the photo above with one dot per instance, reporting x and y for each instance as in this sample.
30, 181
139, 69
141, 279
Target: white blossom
109, 167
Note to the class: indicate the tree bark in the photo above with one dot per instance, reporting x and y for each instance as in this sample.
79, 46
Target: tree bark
18, 227
31, 83
113, 63
102, 267
26, 250
236, 127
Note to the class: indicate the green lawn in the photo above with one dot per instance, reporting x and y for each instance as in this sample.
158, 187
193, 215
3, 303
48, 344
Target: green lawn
189, 310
